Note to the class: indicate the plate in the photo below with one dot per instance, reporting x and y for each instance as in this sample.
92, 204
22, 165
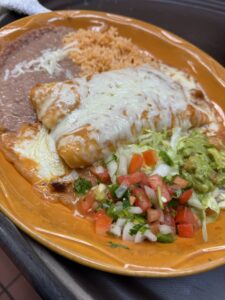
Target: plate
53, 224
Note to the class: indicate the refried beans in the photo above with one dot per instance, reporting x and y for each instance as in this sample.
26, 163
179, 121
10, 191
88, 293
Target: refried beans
15, 107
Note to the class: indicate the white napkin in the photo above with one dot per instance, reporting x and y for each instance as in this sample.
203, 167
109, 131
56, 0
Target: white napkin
27, 7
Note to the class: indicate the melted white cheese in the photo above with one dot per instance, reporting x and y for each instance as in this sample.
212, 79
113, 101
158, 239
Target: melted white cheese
117, 99
39, 147
62, 93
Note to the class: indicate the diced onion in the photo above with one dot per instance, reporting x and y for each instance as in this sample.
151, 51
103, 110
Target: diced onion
163, 199
116, 230
99, 169
165, 229
126, 232
150, 236
112, 169
135, 210
121, 191
123, 164
162, 170
139, 237
151, 194
101, 187
120, 222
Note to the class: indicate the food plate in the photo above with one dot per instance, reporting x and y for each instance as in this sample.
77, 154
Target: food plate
53, 224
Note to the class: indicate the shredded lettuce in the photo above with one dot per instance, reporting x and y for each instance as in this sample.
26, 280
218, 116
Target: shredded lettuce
195, 202
154, 139
166, 158
188, 154
208, 201
204, 227
177, 133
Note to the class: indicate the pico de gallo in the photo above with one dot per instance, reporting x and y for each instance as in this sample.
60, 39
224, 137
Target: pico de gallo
167, 184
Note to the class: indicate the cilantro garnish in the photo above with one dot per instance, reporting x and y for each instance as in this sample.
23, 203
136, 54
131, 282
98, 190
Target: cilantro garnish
126, 199
138, 227
82, 185
115, 245
113, 158
166, 158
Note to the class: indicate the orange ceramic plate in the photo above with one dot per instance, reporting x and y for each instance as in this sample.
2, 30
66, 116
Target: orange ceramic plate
54, 226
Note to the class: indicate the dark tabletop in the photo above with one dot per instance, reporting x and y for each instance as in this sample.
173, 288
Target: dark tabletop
56, 278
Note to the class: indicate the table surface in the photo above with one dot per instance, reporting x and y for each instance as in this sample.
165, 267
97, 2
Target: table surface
53, 276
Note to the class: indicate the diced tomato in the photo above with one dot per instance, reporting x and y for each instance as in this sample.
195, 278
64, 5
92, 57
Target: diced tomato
170, 190
185, 196
135, 163
141, 199
180, 208
91, 178
182, 183
155, 181
102, 222
185, 216
153, 215
134, 178
185, 230
150, 157
101, 174
169, 220
85, 205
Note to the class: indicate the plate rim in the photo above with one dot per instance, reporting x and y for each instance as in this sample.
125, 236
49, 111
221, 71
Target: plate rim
218, 69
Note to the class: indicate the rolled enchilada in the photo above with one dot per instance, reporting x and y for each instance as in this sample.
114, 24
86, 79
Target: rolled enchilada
114, 107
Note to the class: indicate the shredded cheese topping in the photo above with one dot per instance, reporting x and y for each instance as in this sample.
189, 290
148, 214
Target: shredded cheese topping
48, 61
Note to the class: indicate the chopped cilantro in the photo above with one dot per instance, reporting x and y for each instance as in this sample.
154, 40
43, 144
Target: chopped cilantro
126, 199
82, 185
111, 210
138, 227
143, 229
113, 188
126, 203
138, 219
125, 214
166, 158
173, 203
115, 245
112, 158
135, 229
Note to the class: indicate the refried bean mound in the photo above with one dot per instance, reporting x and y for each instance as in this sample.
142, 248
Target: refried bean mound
15, 107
